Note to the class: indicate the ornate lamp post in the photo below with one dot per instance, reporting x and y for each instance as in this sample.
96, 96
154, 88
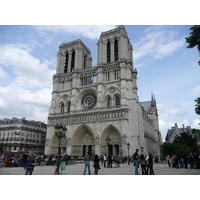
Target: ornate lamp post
128, 147
60, 132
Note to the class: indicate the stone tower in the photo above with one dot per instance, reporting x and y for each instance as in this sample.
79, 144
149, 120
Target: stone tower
97, 102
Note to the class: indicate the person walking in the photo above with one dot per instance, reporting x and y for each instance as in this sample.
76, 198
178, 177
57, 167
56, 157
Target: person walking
87, 164
30, 164
96, 164
136, 161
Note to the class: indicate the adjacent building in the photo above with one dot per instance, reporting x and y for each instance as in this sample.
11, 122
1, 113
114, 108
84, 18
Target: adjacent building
21, 135
176, 131
95, 103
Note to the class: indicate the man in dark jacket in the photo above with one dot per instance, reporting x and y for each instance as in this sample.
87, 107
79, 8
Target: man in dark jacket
135, 161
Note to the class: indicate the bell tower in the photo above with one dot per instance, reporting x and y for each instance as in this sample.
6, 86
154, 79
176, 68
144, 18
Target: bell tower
73, 56
113, 46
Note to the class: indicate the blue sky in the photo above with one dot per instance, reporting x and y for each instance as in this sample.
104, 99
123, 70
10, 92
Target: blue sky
165, 67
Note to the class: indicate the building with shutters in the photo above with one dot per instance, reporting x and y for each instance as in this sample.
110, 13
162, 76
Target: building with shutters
21, 135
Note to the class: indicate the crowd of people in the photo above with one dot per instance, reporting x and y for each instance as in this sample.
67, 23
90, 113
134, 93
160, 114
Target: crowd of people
107, 161
191, 161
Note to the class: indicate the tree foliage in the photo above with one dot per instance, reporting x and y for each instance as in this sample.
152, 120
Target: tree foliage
197, 106
194, 39
182, 145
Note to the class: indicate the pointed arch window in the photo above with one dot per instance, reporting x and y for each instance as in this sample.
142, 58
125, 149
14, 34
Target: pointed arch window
66, 63
117, 101
108, 52
84, 63
109, 102
73, 61
68, 107
62, 108
116, 49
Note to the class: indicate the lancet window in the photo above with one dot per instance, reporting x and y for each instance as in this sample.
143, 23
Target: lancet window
108, 52
116, 49
66, 63
117, 101
73, 61
62, 108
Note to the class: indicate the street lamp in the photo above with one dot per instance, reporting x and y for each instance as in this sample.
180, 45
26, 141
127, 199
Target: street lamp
128, 147
60, 132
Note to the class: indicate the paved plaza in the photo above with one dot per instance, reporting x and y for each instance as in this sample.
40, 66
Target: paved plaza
77, 169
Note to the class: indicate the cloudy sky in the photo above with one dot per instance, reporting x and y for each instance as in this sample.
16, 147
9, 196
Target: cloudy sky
165, 67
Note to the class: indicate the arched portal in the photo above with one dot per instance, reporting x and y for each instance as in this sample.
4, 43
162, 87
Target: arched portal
83, 141
114, 147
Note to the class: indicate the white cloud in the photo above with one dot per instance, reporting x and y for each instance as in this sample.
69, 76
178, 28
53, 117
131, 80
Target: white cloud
29, 93
173, 114
15, 100
31, 71
195, 91
157, 43
196, 123
88, 31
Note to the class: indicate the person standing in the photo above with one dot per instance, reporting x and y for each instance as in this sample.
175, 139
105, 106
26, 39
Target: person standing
87, 164
136, 161
96, 164
150, 164
7, 162
30, 164
1, 161
143, 164
104, 160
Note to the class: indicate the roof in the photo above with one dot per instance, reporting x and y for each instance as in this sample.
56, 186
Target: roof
146, 105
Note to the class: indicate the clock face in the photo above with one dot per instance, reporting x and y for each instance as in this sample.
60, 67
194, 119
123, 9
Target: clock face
88, 101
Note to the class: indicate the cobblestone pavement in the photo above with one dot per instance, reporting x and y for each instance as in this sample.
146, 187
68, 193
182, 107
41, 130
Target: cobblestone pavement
77, 169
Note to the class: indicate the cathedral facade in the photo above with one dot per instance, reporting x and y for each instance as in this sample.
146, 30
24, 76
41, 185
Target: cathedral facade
95, 103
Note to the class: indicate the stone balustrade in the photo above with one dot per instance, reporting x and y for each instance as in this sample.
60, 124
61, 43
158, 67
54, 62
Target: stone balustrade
89, 116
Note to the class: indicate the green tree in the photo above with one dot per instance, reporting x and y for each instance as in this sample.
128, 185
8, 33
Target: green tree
182, 145
167, 148
197, 106
194, 39
186, 139
194, 130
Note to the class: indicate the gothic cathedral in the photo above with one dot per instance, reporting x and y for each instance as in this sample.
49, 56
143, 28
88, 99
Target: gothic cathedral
95, 103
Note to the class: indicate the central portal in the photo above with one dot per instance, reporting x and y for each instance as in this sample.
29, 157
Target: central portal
83, 141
